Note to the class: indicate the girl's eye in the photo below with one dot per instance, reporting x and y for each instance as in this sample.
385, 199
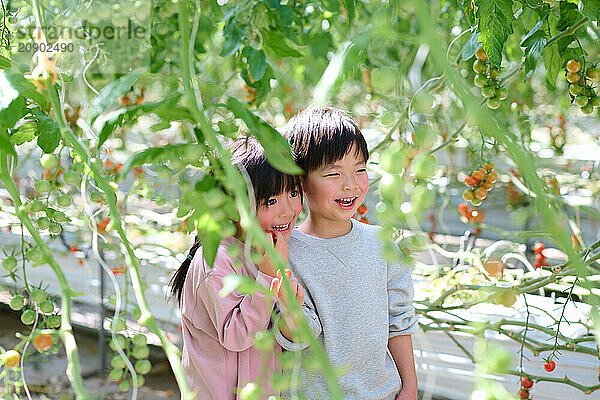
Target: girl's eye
271, 202
294, 193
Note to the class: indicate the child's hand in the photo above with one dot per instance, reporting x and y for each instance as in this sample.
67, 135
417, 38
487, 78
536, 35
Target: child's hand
290, 323
407, 395
266, 265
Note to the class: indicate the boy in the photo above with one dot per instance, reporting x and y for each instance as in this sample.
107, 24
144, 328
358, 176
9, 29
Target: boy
361, 302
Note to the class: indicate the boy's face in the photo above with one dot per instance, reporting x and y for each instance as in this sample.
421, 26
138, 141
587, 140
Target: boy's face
335, 191
280, 212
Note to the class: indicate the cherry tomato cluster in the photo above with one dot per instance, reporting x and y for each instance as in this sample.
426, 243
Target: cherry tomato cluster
581, 89
360, 213
487, 80
526, 384
135, 347
471, 214
540, 259
480, 182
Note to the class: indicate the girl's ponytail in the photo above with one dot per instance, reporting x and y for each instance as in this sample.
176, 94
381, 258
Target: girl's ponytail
178, 279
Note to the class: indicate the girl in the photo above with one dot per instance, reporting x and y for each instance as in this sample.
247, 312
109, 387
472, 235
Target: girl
218, 332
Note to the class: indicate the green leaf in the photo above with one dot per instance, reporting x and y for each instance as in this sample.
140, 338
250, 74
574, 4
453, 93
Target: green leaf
111, 92
495, 25
277, 149
208, 231
350, 9
13, 84
130, 114
4, 62
240, 283
153, 154
533, 35
533, 54
5, 143
25, 133
257, 62
49, 133
277, 43
468, 7
569, 15
591, 9
13, 113
471, 46
234, 33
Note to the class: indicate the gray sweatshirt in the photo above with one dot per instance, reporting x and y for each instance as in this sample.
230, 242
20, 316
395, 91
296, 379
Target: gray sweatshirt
354, 301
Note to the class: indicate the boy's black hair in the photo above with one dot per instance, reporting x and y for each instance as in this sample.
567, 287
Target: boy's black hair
248, 154
320, 136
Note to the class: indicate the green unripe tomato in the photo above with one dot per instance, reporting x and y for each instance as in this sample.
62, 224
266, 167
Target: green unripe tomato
49, 161
479, 66
143, 366
124, 385
480, 80
501, 93
425, 137
55, 228
493, 103
37, 206
117, 362
140, 381
47, 306
476, 201
593, 73
140, 340
9, 263
17, 302
488, 92
43, 222
95, 196
42, 186
53, 321
422, 198
121, 340
140, 352
28, 317
64, 200
587, 109
115, 374
595, 101
71, 177
494, 72
38, 296
59, 216
581, 101
424, 166
35, 255
391, 188
575, 89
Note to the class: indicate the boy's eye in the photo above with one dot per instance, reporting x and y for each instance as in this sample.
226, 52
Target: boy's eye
362, 170
333, 174
294, 193
271, 202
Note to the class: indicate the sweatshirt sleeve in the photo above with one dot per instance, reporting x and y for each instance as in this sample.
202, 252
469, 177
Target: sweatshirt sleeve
312, 319
400, 294
236, 318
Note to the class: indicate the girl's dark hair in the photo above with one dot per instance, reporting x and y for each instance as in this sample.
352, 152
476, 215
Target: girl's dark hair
320, 136
246, 154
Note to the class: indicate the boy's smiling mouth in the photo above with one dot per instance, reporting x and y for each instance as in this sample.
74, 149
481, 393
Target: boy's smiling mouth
346, 203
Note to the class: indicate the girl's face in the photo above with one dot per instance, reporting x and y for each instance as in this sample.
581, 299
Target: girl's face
280, 212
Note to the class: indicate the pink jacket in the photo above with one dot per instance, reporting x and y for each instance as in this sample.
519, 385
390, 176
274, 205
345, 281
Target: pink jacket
218, 332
